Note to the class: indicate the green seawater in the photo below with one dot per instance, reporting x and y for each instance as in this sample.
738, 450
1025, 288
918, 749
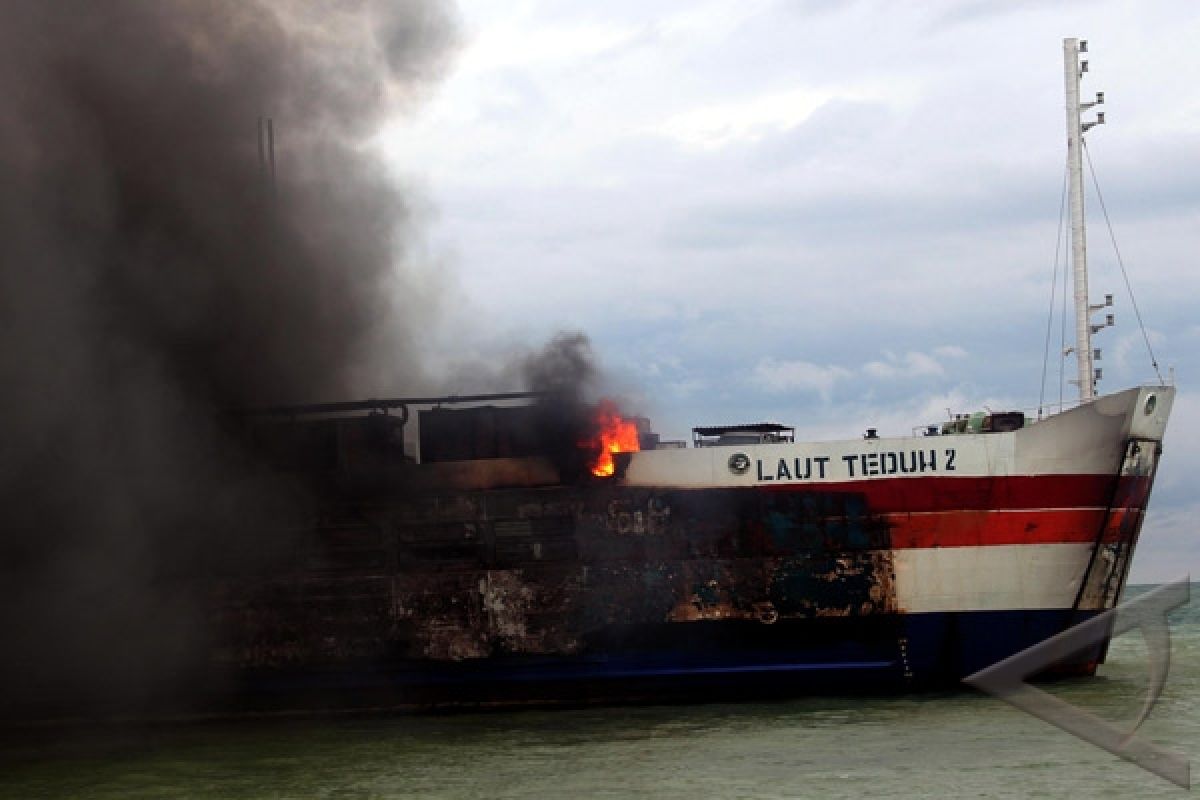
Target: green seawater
960, 744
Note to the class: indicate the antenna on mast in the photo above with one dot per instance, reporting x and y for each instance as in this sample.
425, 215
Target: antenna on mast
1073, 70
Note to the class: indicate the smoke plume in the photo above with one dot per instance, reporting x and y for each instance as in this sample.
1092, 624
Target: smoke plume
152, 276
564, 371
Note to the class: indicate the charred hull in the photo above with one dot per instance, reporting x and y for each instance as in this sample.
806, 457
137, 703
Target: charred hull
774, 568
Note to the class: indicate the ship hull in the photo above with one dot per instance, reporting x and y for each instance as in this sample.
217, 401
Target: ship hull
876, 565
714, 662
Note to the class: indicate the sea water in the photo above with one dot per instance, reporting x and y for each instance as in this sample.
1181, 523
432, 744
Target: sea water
952, 744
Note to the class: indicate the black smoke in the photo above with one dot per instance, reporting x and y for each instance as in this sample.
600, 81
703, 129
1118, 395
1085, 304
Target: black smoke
564, 374
565, 367
152, 278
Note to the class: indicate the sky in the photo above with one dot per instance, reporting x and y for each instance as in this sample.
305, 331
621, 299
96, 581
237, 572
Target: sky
832, 215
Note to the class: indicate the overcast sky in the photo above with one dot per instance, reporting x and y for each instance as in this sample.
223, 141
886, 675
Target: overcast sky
833, 215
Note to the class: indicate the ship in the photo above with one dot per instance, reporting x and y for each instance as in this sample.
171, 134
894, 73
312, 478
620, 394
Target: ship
495, 556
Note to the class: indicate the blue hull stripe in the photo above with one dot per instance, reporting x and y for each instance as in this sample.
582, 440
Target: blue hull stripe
913, 650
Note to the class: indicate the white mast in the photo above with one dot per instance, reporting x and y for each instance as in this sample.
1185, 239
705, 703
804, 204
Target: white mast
1073, 70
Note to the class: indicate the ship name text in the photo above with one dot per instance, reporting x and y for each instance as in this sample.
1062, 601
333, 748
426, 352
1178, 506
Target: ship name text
857, 465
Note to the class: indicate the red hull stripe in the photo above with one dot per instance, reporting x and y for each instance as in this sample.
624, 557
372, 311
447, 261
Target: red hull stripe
981, 528
1008, 492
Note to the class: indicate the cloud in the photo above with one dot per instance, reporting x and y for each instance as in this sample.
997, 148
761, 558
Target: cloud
776, 376
949, 351
511, 45
911, 365
748, 120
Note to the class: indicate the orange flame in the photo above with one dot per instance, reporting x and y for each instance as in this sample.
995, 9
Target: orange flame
614, 434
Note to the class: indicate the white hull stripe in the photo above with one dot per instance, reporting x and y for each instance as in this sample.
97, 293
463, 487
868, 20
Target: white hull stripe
990, 578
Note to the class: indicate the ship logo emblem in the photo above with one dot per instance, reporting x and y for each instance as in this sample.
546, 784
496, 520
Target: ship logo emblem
739, 463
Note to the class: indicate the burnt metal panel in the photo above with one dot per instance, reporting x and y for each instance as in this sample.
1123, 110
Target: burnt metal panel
562, 571
484, 432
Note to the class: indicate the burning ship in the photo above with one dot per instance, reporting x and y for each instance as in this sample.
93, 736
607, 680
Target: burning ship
511, 554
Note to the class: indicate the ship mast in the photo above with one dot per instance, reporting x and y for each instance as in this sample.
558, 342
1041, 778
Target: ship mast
1073, 70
